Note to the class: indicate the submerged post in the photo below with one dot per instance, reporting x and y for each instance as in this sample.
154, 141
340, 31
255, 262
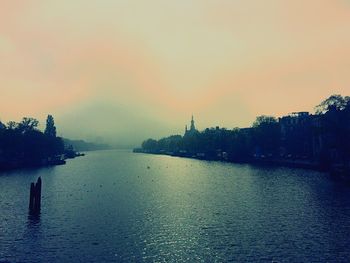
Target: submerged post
35, 197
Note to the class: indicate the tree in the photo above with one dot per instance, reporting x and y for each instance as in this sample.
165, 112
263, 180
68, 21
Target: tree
336, 102
150, 145
27, 124
263, 120
12, 125
23, 144
50, 129
2, 126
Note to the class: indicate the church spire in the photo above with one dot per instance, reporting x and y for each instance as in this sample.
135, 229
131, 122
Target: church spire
193, 127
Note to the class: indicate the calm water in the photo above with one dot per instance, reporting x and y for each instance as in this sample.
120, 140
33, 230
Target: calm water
109, 207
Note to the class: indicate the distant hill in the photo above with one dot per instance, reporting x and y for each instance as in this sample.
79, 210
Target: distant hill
83, 146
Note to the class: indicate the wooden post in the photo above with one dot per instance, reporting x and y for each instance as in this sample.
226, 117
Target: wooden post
35, 197
38, 195
31, 197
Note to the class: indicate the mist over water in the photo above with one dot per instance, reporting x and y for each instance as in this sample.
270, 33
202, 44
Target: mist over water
116, 206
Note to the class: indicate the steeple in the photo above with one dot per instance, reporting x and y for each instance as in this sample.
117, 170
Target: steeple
193, 127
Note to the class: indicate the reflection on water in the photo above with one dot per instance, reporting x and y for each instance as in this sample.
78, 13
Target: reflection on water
115, 206
33, 220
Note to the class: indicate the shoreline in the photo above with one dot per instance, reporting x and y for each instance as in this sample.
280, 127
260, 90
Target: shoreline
334, 170
11, 167
49, 162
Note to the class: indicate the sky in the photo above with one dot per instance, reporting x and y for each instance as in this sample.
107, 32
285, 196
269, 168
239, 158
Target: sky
121, 71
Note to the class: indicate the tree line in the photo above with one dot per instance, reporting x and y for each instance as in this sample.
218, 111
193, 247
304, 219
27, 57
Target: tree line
23, 144
323, 137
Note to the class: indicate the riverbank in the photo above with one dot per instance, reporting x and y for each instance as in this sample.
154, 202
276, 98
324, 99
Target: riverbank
14, 164
336, 170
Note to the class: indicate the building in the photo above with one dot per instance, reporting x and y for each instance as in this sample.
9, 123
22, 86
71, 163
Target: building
296, 135
192, 129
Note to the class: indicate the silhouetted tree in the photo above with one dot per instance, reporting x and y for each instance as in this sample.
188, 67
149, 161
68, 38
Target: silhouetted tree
23, 144
11, 125
150, 145
50, 129
2, 126
55, 145
324, 137
27, 124
264, 120
336, 102
170, 144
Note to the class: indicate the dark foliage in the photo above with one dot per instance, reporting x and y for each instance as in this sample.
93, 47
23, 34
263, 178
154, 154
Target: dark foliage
22, 144
50, 129
323, 138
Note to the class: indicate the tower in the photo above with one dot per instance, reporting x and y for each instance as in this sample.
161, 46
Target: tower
193, 127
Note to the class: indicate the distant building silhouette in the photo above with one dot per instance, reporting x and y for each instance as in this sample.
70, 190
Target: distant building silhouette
192, 129
300, 139
296, 134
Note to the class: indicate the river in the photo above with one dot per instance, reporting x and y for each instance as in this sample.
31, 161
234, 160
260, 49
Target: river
117, 206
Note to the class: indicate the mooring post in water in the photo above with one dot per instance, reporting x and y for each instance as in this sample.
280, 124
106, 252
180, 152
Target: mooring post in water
31, 197
35, 197
38, 195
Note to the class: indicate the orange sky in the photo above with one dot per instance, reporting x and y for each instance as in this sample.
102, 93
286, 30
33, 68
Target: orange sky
156, 62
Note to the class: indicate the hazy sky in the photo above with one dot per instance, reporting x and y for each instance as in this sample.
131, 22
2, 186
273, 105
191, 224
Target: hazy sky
127, 70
